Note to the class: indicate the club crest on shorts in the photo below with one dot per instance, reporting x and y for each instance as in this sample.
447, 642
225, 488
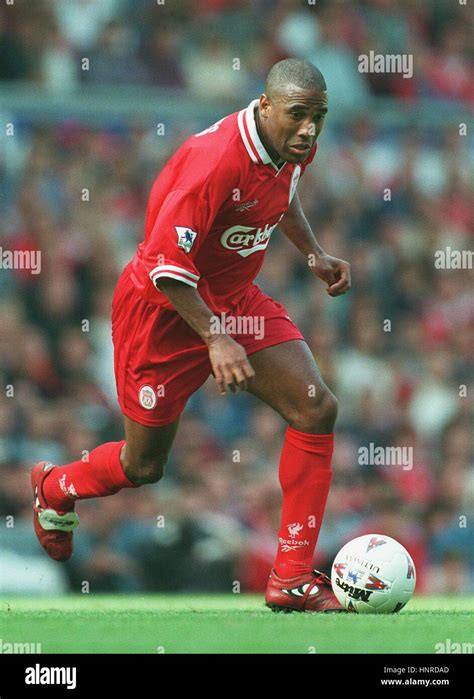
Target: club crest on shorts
186, 238
147, 397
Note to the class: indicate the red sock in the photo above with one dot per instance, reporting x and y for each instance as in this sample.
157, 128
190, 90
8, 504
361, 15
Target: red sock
305, 476
101, 475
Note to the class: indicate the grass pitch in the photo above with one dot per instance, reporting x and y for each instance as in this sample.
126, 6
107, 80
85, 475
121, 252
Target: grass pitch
225, 624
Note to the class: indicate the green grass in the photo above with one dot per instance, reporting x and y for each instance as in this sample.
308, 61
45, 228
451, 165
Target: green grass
225, 624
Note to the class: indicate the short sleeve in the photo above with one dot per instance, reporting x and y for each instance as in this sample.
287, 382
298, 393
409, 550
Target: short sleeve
181, 226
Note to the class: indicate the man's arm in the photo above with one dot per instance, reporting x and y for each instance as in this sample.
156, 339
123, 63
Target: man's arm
229, 361
295, 226
335, 272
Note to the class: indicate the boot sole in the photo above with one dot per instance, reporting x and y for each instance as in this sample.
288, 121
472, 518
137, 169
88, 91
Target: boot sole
288, 610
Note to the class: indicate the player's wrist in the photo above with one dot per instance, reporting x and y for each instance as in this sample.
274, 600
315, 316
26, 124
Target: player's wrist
216, 338
318, 253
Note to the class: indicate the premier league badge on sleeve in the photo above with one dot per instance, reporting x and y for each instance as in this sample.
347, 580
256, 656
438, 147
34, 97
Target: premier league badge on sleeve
186, 238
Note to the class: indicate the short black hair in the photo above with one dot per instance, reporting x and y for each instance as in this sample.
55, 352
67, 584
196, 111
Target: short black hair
295, 71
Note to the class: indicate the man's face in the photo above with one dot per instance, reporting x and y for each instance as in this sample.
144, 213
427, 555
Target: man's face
292, 121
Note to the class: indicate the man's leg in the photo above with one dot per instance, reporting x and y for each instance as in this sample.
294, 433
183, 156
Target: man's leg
288, 379
137, 460
146, 450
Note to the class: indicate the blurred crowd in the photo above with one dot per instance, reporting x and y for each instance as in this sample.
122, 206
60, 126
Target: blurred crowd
396, 350
221, 49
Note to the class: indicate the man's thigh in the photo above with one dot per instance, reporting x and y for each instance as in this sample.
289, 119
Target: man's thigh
287, 378
159, 360
264, 322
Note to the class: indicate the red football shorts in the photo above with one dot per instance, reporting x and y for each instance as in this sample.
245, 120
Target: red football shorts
160, 361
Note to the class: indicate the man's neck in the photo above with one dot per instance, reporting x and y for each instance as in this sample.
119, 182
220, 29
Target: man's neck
271, 151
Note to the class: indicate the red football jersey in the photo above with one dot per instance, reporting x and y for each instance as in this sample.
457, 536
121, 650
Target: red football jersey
211, 213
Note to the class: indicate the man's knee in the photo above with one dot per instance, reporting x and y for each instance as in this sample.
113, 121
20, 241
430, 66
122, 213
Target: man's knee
143, 468
318, 414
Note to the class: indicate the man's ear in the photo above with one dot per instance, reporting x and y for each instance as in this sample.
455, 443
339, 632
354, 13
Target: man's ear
265, 105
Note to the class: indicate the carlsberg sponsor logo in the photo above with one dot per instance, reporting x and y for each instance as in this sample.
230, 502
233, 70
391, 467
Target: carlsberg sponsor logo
246, 240
386, 456
51, 675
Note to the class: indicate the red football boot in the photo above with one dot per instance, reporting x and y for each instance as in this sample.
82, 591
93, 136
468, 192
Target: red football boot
311, 592
53, 529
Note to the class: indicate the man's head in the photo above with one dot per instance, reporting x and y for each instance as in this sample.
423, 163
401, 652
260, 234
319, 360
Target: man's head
292, 109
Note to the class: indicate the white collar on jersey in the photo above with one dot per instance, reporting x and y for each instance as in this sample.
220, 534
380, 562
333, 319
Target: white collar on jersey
250, 137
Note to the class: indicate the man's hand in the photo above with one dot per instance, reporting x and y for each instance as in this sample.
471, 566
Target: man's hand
229, 362
336, 273
230, 365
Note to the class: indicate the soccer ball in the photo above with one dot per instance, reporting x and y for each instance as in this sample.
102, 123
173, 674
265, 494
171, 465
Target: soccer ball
373, 574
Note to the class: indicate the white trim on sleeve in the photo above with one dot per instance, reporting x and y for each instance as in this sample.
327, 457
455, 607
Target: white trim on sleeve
180, 278
175, 272
173, 268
